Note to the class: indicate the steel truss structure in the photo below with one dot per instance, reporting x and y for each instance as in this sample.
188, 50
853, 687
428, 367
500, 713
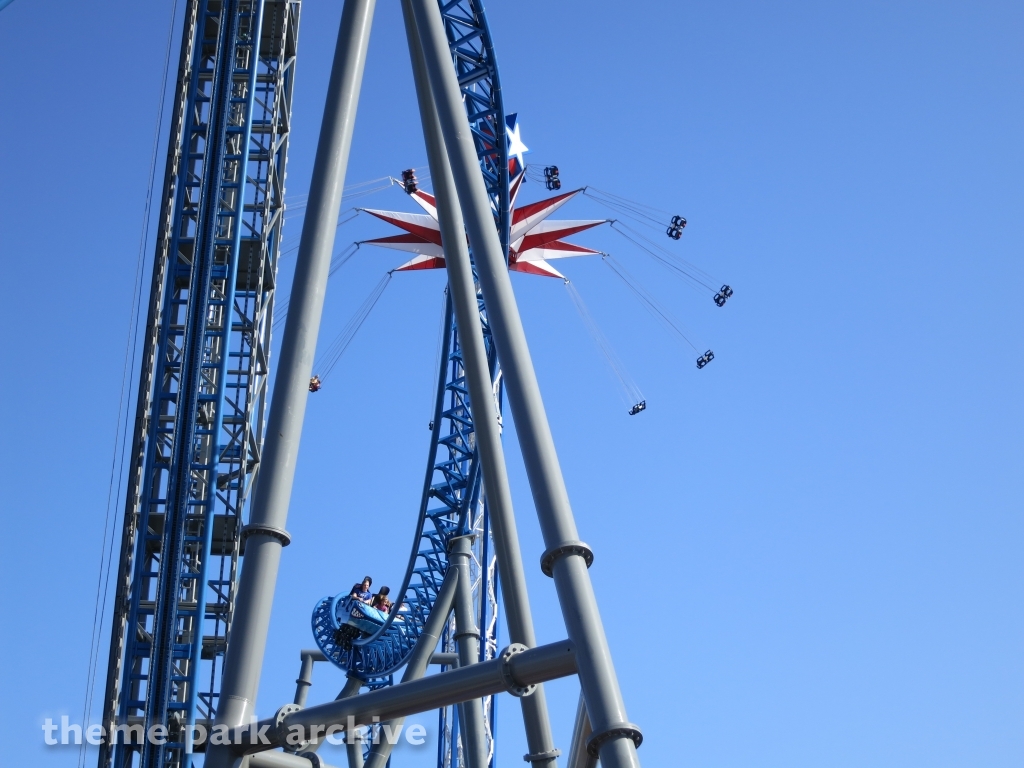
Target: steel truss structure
202, 391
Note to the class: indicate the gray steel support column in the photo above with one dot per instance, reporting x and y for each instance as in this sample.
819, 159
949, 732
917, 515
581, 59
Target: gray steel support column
445, 659
421, 656
467, 639
266, 530
284, 760
566, 558
352, 686
581, 731
305, 678
462, 289
354, 749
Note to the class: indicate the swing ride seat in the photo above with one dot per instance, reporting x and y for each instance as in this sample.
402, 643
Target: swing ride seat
409, 181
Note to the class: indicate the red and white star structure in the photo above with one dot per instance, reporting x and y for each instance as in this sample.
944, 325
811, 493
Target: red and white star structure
534, 242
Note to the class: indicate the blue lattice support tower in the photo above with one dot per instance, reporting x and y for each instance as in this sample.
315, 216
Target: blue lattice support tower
202, 389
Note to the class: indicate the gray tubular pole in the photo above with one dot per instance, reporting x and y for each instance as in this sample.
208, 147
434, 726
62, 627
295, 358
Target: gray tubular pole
354, 749
351, 688
353, 740
578, 755
266, 531
285, 760
305, 679
420, 657
515, 670
467, 638
566, 558
462, 290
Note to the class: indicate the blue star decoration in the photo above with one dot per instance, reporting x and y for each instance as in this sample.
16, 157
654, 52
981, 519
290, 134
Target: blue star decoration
516, 148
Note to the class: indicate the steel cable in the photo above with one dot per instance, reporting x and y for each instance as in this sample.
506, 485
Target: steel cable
355, 190
339, 261
341, 222
636, 211
121, 428
666, 258
629, 389
649, 302
337, 348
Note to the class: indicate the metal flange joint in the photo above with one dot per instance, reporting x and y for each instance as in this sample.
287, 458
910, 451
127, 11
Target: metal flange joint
547, 560
616, 730
511, 684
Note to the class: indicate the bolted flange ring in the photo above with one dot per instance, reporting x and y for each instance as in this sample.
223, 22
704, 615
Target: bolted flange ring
267, 530
547, 560
618, 729
538, 757
281, 736
511, 685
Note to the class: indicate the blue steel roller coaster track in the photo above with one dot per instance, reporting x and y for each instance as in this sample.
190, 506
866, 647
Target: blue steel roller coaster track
451, 502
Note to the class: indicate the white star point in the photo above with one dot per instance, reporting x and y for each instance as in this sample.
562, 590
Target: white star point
516, 148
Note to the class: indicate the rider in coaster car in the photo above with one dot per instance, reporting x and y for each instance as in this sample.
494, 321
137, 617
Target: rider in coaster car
381, 601
361, 592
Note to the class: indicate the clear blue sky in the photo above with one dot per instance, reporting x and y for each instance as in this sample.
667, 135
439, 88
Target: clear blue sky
823, 527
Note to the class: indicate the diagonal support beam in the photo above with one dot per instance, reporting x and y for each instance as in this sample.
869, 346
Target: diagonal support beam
422, 655
467, 637
614, 738
516, 670
463, 294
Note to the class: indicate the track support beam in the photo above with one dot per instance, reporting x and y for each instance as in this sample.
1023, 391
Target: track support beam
581, 732
615, 739
516, 670
463, 292
421, 656
305, 678
467, 638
